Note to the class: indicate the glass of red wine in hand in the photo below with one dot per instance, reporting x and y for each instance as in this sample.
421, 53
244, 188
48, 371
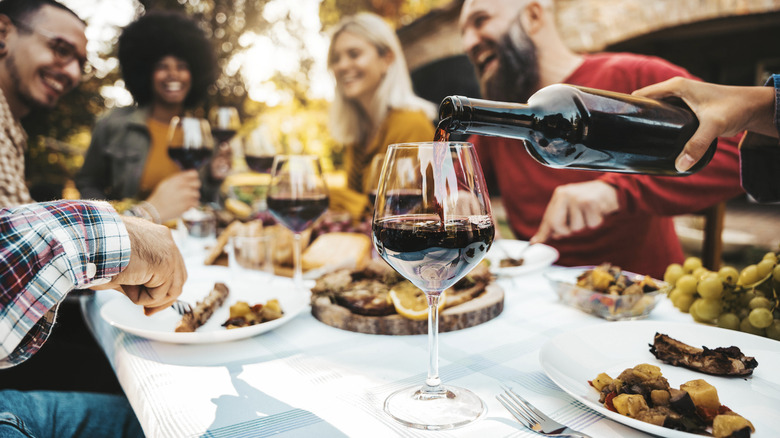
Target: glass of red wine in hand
190, 145
297, 197
433, 229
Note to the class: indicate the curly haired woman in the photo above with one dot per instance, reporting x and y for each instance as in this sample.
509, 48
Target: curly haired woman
167, 64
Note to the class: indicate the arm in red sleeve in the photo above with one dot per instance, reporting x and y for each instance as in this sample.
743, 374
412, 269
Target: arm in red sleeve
668, 195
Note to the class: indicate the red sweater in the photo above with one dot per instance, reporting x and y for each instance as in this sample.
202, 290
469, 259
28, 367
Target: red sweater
640, 237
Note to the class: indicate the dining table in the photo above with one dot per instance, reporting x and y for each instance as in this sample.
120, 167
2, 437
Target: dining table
304, 378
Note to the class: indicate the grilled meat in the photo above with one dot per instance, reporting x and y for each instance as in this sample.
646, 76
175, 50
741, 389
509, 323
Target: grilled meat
203, 309
721, 361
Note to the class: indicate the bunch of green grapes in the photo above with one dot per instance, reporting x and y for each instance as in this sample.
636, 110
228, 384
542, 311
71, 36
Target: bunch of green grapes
748, 301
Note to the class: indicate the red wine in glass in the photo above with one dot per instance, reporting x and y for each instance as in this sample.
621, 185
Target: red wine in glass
297, 214
188, 157
222, 135
260, 164
431, 256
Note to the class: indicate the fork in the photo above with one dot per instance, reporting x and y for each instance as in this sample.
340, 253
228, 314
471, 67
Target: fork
181, 307
534, 419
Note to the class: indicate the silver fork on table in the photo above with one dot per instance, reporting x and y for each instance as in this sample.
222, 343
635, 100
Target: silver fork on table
534, 419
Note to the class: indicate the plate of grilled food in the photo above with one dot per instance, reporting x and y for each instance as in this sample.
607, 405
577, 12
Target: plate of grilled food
509, 257
375, 299
671, 379
221, 311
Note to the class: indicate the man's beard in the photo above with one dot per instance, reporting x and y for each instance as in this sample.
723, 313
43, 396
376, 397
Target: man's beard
517, 76
16, 81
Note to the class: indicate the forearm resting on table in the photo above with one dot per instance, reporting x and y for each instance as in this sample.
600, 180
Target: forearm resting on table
50, 249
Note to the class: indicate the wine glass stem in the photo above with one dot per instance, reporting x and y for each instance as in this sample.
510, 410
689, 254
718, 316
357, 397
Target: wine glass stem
433, 383
298, 269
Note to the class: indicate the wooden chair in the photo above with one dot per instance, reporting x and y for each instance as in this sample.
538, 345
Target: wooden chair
712, 244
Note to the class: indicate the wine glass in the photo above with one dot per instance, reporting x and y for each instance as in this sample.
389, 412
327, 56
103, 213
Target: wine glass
190, 146
433, 229
190, 143
296, 198
260, 150
224, 123
371, 180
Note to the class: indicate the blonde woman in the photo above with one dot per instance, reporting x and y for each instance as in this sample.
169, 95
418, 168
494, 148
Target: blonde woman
374, 105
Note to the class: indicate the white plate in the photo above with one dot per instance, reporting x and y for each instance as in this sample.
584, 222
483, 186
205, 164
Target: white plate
573, 358
253, 288
537, 257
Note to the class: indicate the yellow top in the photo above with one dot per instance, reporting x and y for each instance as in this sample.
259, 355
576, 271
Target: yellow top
400, 126
158, 164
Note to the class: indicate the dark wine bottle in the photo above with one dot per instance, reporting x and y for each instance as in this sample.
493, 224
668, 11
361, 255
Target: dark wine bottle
567, 126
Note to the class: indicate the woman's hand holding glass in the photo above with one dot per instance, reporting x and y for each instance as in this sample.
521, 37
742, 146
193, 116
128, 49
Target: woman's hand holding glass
190, 145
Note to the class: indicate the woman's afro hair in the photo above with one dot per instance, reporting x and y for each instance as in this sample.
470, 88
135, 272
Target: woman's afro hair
159, 34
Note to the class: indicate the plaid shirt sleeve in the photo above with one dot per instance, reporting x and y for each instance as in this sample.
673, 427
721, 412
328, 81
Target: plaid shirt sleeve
47, 250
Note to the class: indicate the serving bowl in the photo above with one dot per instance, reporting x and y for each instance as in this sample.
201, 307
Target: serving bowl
612, 307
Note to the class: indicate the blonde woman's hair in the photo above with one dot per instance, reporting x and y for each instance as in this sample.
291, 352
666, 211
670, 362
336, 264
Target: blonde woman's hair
349, 123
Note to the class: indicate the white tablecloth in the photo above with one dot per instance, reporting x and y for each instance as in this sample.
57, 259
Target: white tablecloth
306, 379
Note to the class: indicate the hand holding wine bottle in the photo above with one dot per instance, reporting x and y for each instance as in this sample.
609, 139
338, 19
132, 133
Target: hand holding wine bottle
722, 111
573, 127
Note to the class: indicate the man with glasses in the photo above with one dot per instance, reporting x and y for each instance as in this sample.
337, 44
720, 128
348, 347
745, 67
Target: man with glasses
46, 250
42, 56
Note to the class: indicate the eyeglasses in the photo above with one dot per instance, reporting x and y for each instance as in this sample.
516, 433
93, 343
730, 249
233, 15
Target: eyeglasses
64, 52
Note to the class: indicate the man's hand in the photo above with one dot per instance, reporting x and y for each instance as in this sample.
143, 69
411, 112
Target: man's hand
176, 194
721, 110
156, 274
574, 207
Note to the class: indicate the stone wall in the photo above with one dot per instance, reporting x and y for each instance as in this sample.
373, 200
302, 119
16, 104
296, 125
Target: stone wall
591, 25
586, 25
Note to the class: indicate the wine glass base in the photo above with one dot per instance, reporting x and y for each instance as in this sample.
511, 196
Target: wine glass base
446, 409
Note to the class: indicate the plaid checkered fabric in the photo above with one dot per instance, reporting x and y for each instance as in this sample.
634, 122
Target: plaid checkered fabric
47, 250
13, 140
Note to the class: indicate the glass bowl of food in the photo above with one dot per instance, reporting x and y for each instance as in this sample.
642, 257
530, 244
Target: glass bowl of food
607, 291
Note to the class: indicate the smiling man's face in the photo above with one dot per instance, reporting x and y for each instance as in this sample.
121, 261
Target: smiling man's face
36, 77
501, 51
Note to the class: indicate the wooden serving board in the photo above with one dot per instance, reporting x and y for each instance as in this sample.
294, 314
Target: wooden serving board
481, 309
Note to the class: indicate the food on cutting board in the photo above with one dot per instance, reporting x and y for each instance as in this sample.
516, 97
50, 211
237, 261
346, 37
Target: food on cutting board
747, 300
643, 393
366, 291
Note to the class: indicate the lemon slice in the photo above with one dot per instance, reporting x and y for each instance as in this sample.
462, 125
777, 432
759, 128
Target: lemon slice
410, 302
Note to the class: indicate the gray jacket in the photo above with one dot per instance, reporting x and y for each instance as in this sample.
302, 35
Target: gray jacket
115, 160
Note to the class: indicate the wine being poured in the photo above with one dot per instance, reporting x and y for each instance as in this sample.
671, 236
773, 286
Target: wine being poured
567, 126
433, 236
